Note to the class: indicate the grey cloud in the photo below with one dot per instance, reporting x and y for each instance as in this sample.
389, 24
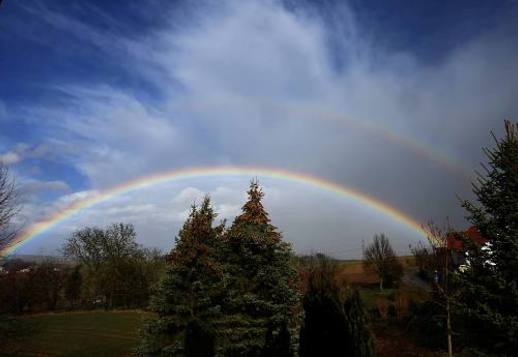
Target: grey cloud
253, 83
33, 187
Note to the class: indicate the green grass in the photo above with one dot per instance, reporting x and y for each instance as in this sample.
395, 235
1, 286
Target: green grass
92, 333
371, 296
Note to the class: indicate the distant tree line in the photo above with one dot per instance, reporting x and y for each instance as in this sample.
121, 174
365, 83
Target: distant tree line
104, 268
114, 271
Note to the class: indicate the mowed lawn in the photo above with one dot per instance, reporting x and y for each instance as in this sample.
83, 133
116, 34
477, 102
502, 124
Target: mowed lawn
91, 333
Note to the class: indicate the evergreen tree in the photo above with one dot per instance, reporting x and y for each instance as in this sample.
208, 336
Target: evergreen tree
489, 284
262, 281
360, 337
73, 286
191, 291
278, 342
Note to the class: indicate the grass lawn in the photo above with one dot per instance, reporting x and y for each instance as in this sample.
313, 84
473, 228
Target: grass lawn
90, 333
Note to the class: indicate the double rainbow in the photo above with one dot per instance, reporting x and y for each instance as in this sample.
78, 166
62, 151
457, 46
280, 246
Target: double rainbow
36, 229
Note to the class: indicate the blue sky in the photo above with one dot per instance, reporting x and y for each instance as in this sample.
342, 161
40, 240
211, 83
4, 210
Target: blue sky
93, 94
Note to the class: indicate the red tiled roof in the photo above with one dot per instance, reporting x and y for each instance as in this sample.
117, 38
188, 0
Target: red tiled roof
455, 242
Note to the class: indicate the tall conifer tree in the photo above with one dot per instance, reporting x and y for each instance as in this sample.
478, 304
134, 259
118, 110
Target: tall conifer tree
262, 291
189, 298
489, 284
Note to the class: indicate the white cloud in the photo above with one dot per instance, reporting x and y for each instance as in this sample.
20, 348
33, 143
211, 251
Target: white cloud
158, 213
253, 83
22, 151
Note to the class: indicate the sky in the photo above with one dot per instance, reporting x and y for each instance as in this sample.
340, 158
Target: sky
394, 99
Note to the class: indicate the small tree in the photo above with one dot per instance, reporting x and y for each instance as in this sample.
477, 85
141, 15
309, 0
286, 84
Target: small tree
73, 286
380, 258
444, 291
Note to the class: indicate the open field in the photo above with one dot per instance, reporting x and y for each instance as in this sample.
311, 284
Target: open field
90, 333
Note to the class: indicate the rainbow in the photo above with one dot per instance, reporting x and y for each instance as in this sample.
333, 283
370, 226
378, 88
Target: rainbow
36, 229
373, 128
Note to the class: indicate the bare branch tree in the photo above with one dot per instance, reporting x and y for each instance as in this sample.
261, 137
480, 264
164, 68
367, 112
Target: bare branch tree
380, 258
8, 206
438, 238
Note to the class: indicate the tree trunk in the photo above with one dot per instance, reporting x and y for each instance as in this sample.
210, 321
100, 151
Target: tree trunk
448, 326
381, 284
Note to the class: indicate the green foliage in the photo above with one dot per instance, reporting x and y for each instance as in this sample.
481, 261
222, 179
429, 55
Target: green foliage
241, 283
262, 296
278, 342
489, 288
191, 290
115, 267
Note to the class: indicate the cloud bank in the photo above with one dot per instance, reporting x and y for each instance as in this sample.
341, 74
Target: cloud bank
263, 83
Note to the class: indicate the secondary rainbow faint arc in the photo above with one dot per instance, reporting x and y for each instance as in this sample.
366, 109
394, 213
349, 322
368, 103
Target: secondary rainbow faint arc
314, 110
51, 221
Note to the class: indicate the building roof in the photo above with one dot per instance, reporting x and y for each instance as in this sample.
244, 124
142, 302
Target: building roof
472, 233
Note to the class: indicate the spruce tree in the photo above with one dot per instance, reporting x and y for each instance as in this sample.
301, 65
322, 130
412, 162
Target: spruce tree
278, 342
191, 291
489, 283
262, 295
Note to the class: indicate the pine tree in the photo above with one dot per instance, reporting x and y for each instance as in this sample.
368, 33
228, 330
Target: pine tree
262, 280
360, 337
489, 285
191, 291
